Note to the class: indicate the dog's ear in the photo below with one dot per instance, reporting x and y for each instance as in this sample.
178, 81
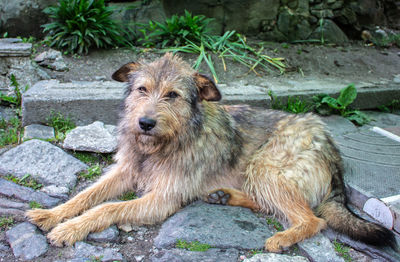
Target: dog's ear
207, 89
122, 74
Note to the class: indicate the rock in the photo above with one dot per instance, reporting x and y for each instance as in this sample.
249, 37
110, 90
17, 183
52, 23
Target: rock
23, 17
108, 235
56, 191
45, 162
5, 203
27, 194
339, 125
181, 255
125, 227
218, 226
90, 252
25, 242
271, 257
14, 48
51, 59
38, 131
17, 214
319, 248
293, 25
396, 78
7, 113
95, 137
379, 253
330, 33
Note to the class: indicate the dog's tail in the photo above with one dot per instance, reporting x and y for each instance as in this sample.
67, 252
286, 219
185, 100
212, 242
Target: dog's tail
341, 219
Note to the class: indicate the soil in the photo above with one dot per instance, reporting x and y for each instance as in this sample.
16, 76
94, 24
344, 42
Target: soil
355, 62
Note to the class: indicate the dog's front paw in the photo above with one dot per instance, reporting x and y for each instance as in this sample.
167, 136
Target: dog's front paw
218, 197
43, 218
66, 233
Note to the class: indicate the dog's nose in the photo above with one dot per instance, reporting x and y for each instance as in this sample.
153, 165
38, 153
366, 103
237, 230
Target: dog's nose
147, 123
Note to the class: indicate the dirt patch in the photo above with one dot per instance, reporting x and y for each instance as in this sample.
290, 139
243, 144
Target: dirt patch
354, 62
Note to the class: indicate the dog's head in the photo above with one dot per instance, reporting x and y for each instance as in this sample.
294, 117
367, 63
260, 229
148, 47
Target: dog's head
163, 100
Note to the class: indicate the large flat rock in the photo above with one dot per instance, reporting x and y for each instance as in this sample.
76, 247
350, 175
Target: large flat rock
45, 162
216, 225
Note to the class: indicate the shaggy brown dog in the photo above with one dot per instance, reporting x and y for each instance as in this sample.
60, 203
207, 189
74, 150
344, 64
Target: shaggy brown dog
177, 145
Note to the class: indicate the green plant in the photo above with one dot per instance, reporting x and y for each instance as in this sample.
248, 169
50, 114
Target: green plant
26, 181
79, 25
128, 196
325, 105
192, 246
86, 157
30, 39
16, 99
272, 221
92, 172
178, 30
188, 34
10, 131
6, 222
391, 107
256, 251
34, 204
293, 105
387, 41
60, 124
342, 250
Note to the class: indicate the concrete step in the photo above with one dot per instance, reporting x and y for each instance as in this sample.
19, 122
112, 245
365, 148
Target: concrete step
86, 102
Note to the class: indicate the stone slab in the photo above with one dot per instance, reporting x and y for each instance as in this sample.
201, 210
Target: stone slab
319, 248
12, 47
25, 242
45, 162
86, 102
211, 255
88, 252
271, 257
10, 189
38, 131
216, 225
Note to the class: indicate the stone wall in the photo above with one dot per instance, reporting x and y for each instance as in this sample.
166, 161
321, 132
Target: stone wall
288, 20
277, 20
23, 17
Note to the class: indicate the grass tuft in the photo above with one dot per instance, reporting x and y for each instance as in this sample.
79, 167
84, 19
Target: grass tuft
6, 222
192, 246
342, 250
26, 181
272, 221
61, 125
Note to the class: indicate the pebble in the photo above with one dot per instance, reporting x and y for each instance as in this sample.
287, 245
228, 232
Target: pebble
108, 235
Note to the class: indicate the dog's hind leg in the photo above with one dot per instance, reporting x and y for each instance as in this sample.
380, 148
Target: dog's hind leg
304, 223
110, 185
149, 209
232, 197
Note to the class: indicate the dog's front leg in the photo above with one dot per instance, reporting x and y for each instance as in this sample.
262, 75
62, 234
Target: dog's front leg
149, 209
112, 184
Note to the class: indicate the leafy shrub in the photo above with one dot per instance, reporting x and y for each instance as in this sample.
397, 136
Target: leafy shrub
178, 30
326, 105
79, 25
61, 124
189, 34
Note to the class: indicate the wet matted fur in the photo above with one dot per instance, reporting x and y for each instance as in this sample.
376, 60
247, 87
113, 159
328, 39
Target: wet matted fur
177, 144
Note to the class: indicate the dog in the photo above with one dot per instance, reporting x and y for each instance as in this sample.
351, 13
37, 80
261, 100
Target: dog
178, 144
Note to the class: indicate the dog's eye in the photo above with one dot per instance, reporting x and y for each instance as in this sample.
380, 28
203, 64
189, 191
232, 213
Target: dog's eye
142, 89
172, 94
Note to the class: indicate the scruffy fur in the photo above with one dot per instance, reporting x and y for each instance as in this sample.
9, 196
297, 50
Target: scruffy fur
193, 147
